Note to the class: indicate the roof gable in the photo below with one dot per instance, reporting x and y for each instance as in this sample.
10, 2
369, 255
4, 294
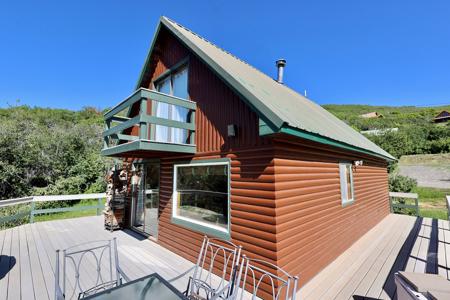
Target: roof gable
276, 104
443, 114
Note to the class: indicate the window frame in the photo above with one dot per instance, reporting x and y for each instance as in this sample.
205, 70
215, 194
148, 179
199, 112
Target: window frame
168, 74
203, 227
345, 201
184, 63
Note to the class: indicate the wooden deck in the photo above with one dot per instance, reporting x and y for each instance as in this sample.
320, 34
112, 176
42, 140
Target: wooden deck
365, 271
27, 258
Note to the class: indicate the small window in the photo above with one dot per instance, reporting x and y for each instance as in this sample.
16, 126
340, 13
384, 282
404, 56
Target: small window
346, 177
201, 197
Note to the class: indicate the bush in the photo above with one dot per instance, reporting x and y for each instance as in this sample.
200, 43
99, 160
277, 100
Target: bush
399, 183
50, 152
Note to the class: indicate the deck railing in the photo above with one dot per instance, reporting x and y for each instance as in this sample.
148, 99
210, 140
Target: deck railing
447, 198
398, 201
118, 120
27, 208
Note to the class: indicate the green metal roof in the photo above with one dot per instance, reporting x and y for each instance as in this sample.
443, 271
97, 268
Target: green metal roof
279, 106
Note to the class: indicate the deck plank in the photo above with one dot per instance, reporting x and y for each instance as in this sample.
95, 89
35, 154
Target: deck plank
26, 280
389, 288
377, 286
36, 270
381, 256
367, 272
14, 290
44, 259
5, 264
338, 280
321, 282
422, 254
411, 264
359, 282
442, 259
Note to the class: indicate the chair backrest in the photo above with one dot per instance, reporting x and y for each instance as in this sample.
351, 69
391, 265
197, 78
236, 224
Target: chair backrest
86, 269
255, 273
216, 269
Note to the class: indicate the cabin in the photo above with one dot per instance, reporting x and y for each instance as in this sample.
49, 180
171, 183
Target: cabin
371, 115
213, 146
442, 117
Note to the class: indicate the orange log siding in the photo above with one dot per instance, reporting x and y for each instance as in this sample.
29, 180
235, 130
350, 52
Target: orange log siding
312, 226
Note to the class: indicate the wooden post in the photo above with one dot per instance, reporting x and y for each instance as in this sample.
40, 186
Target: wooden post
106, 138
416, 200
99, 206
143, 128
192, 137
32, 212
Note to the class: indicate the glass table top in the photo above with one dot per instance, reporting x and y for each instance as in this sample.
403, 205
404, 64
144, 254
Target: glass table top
149, 287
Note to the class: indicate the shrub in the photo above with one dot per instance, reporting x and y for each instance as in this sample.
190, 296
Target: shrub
399, 183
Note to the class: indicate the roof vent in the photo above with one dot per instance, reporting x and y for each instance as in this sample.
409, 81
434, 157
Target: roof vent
281, 63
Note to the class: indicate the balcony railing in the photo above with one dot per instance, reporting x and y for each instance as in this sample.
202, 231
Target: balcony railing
128, 134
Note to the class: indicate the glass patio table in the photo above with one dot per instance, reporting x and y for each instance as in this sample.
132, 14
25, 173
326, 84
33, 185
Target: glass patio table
149, 287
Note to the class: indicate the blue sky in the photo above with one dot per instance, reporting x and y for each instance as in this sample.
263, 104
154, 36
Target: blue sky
70, 54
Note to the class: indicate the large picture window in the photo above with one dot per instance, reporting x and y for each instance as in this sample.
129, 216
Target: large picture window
346, 179
201, 195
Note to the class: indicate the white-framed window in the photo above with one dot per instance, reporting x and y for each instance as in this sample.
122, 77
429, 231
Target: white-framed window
346, 179
174, 84
201, 197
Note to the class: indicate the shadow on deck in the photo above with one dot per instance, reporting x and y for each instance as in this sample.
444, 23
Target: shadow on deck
366, 270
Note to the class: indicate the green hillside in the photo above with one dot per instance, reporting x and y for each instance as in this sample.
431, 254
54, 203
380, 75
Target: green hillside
417, 134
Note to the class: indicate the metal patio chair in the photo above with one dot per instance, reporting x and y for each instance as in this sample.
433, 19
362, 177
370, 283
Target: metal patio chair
87, 269
255, 274
215, 271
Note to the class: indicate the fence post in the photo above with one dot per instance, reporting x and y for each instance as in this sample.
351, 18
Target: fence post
416, 200
99, 206
33, 204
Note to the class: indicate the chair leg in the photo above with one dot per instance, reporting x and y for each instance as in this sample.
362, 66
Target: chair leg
186, 292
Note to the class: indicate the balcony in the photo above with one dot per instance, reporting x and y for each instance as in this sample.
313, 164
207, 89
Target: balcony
133, 127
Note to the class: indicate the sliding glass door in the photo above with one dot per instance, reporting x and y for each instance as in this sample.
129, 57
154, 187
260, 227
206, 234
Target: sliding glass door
146, 199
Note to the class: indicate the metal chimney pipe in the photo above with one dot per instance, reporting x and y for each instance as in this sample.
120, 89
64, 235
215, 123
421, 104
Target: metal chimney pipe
281, 63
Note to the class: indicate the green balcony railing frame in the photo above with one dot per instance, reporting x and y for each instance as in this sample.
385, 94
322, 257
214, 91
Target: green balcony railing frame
145, 123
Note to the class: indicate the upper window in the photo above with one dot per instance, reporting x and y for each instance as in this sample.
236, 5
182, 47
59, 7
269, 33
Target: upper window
201, 196
346, 178
175, 84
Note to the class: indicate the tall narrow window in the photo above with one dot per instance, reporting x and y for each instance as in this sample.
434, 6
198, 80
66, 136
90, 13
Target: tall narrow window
201, 197
346, 178
162, 111
175, 84
180, 90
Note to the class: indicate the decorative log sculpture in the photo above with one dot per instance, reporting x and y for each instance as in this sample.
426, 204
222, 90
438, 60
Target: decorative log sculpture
116, 192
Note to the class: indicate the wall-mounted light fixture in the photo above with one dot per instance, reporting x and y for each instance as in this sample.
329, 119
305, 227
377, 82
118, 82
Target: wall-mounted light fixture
358, 163
231, 130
